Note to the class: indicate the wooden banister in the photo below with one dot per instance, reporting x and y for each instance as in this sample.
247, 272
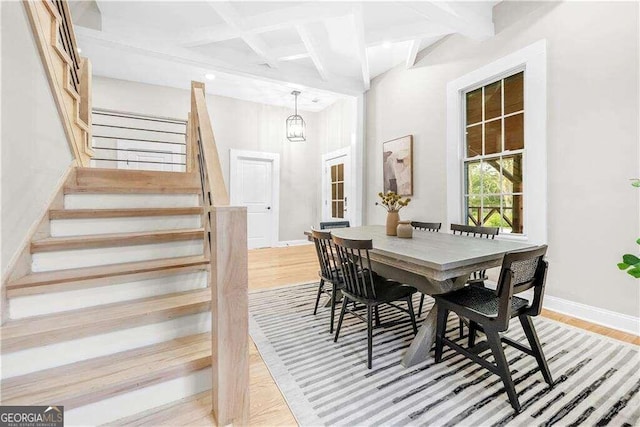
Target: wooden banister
69, 75
226, 245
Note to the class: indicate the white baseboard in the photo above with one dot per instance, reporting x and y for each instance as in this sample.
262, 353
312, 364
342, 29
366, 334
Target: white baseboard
600, 316
284, 243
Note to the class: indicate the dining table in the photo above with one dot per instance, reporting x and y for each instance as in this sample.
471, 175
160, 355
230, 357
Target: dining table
433, 263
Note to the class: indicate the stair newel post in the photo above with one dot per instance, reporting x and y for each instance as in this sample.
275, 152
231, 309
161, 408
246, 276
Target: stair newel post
86, 101
229, 315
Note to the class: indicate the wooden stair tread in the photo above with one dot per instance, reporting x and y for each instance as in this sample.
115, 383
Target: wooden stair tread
112, 189
49, 244
92, 380
190, 411
45, 278
105, 180
122, 213
50, 328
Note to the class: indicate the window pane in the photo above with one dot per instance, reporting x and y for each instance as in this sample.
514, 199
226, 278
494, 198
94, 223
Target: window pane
333, 209
473, 210
474, 106
334, 173
474, 141
493, 137
514, 132
493, 100
491, 176
472, 177
513, 93
491, 211
340, 191
339, 210
512, 174
513, 209
341, 172
334, 191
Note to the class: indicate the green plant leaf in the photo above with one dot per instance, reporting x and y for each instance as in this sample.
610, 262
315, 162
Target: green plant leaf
635, 272
638, 241
630, 259
623, 266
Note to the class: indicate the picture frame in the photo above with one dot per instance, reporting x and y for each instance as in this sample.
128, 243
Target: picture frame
397, 165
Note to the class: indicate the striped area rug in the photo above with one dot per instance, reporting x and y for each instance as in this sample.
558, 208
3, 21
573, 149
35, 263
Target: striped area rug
327, 383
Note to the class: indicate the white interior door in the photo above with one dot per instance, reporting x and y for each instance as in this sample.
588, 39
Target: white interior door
253, 184
337, 186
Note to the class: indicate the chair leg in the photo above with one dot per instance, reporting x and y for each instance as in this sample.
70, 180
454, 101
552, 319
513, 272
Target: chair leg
377, 314
342, 311
503, 368
534, 342
412, 315
369, 335
420, 306
441, 329
320, 286
473, 327
333, 307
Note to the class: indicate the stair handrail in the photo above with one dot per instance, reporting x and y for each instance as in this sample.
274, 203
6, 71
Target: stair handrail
226, 246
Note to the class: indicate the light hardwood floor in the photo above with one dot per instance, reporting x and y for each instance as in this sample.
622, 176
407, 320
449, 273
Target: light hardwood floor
275, 267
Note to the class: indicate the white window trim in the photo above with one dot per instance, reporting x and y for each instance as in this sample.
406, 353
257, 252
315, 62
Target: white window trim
234, 158
533, 60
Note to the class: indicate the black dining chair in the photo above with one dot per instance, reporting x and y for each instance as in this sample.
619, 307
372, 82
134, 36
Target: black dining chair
362, 285
490, 311
425, 226
334, 224
477, 278
329, 273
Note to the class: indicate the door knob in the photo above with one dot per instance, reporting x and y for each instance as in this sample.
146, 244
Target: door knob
269, 207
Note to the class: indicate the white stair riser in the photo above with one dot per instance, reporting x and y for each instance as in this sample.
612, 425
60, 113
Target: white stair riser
39, 358
77, 258
119, 201
34, 305
128, 404
86, 226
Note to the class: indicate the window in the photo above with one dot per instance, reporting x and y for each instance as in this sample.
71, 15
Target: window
497, 145
337, 190
493, 159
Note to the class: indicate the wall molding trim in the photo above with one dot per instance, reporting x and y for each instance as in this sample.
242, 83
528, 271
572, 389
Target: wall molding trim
600, 316
285, 243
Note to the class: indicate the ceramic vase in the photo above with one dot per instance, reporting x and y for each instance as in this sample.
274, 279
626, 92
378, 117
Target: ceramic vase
393, 217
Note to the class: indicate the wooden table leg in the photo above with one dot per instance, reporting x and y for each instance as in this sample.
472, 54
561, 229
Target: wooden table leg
421, 345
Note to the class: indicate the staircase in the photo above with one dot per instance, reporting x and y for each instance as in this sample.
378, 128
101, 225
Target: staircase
114, 317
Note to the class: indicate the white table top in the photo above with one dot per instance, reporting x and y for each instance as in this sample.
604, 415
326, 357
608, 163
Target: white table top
437, 251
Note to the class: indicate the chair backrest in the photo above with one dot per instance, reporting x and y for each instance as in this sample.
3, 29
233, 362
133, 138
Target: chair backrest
426, 226
354, 260
327, 257
334, 224
522, 270
475, 231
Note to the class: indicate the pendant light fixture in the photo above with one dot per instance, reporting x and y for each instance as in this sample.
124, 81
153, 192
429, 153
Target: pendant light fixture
295, 124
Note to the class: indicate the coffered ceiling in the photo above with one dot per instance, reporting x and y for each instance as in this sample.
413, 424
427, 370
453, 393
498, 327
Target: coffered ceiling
325, 48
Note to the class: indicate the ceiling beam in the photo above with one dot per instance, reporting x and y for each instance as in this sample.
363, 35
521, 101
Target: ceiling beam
312, 49
406, 32
269, 21
358, 26
456, 16
413, 53
233, 19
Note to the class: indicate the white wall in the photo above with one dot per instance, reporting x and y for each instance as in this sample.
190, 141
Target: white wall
35, 152
251, 126
592, 134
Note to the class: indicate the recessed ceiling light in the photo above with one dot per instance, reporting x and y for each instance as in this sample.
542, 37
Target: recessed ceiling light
386, 45
210, 76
